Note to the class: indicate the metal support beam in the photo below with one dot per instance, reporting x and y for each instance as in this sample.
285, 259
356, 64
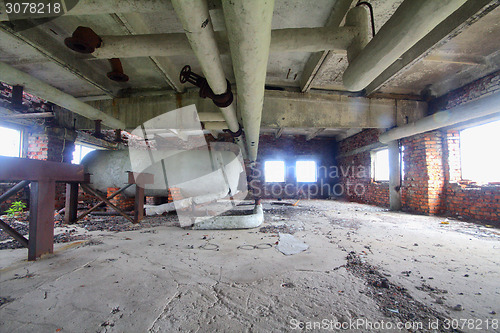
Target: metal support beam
13, 232
71, 206
41, 231
106, 200
13, 190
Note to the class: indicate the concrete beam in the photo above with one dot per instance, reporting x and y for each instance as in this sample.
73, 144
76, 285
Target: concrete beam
411, 22
486, 106
13, 76
281, 109
135, 24
63, 57
451, 26
316, 60
394, 176
313, 134
278, 133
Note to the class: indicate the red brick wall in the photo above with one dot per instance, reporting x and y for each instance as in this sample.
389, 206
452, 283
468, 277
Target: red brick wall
355, 171
43, 146
423, 182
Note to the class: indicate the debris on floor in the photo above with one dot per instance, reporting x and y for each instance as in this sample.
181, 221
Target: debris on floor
277, 229
289, 245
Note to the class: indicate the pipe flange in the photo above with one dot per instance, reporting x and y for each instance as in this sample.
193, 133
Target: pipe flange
236, 134
83, 40
225, 99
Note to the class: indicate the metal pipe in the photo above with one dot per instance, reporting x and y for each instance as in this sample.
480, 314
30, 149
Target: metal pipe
13, 76
411, 22
483, 107
175, 44
248, 26
197, 24
13, 190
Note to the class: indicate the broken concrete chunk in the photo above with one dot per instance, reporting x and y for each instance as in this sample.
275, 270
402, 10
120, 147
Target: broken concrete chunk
289, 245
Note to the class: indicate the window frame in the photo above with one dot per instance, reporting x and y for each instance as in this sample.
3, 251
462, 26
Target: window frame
284, 171
315, 170
373, 166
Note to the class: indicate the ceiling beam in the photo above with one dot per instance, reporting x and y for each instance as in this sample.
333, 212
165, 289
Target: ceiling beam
63, 57
32, 85
442, 33
135, 25
278, 133
317, 59
313, 134
282, 109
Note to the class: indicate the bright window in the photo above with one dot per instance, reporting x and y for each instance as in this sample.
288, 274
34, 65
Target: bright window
11, 142
80, 152
305, 171
480, 153
274, 171
380, 165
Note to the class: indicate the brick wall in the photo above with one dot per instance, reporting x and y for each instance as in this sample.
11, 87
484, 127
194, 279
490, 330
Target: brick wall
423, 182
355, 171
48, 147
290, 149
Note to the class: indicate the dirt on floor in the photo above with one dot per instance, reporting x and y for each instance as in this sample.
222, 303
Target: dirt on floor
366, 270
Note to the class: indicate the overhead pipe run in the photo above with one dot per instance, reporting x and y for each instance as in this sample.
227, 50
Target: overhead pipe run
197, 24
483, 107
175, 44
411, 22
13, 76
248, 26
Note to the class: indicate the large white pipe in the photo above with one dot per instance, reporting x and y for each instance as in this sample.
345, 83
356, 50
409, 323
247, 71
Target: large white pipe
410, 23
176, 44
13, 76
248, 26
197, 24
483, 107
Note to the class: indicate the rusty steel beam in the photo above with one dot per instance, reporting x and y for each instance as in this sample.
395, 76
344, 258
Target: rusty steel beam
14, 168
88, 211
13, 232
71, 206
93, 192
13, 190
41, 230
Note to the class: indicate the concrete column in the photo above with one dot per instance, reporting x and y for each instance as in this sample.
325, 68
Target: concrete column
394, 176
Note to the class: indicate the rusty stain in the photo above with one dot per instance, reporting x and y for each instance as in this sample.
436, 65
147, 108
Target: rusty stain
178, 100
295, 76
288, 74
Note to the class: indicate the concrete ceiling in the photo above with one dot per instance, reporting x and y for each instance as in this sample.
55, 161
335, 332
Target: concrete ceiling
469, 51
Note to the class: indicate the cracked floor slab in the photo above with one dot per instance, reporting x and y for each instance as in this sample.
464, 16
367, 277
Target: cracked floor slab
174, 279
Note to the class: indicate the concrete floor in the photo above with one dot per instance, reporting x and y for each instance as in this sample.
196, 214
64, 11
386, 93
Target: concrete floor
166, 279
